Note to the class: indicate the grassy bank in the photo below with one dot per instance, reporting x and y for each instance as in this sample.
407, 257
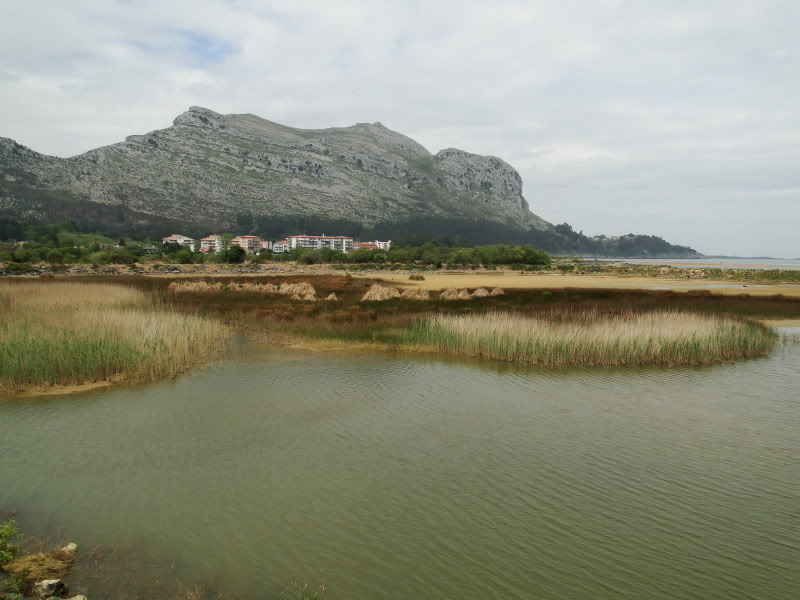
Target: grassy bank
67, 334
591, 339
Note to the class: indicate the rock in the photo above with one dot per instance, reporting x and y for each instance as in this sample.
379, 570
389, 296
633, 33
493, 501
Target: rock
78, 597
70, 548
209, 168
49, 587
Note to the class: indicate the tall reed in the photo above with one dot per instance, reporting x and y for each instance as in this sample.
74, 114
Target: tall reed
74, 333
592, 339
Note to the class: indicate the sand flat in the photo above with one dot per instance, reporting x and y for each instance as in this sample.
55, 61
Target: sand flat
782, 322
436, 281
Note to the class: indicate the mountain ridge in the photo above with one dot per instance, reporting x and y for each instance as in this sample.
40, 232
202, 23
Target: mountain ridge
209, 168
241, 172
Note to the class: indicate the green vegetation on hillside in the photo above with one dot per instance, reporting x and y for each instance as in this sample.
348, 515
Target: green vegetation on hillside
430, 253
451, 232
62, 244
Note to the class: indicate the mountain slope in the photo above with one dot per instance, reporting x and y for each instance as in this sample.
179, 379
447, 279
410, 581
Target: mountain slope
209, 170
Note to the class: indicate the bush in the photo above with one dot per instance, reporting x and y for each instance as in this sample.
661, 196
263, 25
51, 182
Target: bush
233, 254
417, 277
18, 268
8, 551
184, 256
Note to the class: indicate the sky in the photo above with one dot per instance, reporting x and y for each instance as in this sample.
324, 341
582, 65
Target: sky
679, 119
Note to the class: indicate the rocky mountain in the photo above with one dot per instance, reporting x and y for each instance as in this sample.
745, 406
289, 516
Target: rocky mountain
210, 171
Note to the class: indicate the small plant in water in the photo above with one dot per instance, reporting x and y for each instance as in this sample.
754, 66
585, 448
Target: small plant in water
8, 551
302, 590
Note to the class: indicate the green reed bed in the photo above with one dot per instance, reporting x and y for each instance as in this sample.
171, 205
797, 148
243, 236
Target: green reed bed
592, 339
62, 334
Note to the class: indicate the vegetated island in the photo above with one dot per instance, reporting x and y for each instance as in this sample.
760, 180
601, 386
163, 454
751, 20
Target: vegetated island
70, 335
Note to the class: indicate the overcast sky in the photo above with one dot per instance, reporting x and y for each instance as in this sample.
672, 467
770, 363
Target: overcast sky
680, 119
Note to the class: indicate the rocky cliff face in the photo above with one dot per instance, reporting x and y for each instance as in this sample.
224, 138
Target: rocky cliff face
210, 169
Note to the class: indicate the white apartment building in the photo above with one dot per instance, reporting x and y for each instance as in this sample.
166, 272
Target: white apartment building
266, 245
376, 245
181, 240
212, 243
249, 243
342, 243
281, 246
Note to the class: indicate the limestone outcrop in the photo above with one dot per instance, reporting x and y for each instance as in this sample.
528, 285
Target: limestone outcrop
213, 169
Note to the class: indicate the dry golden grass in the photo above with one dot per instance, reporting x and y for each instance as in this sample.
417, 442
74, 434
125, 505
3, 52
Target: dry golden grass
66, 334
662, 338
194, 287
379, 293
36, 567
296, 291
68, 295
454, 294
416, 294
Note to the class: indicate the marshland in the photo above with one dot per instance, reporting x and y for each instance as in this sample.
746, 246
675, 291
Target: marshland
72, 334
58, 333
367, 435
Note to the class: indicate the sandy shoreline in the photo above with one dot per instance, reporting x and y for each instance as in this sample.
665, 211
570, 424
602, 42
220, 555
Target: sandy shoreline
436, 281
782, 322
61, 390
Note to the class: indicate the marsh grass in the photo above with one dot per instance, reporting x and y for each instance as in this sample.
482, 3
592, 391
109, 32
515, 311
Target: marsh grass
592, 339
74, 333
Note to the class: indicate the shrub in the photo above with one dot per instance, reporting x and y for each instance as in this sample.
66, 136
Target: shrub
55, 257
8, 551
18, 268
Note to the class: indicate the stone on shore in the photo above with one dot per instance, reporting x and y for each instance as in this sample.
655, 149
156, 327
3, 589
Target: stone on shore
49, 587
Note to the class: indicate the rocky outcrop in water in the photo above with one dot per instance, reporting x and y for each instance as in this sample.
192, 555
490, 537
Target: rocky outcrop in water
214, 170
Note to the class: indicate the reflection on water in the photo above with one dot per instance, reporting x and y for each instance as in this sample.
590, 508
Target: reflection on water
395, 476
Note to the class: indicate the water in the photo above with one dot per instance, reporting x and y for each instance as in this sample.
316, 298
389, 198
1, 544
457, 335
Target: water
399, 477
719, 263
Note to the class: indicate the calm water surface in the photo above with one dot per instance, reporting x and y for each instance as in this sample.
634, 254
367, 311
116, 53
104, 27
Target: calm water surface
395, 477
721, 263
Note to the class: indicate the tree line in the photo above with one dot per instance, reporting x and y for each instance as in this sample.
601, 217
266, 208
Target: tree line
62, 244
